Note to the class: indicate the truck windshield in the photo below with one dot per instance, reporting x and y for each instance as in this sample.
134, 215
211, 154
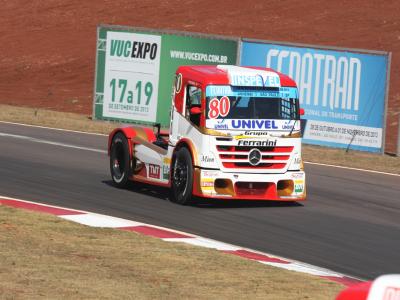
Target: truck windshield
226, 102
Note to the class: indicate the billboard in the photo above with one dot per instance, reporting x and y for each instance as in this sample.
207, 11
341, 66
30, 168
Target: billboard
343, 92
135, 70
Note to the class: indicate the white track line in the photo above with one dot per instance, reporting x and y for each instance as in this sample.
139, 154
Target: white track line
349, 168
52, 128
100, 134
35, 140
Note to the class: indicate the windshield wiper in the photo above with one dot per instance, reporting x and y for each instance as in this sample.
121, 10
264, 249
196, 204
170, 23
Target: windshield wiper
294, 124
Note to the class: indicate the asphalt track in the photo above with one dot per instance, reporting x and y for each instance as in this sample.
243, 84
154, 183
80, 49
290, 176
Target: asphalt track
350, 223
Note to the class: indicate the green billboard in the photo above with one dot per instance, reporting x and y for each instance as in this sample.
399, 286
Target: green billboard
135, 69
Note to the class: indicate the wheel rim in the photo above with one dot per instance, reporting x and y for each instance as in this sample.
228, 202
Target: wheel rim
181, 177
118, 161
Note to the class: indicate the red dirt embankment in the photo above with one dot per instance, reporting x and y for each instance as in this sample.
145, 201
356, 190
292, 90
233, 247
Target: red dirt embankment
47, 48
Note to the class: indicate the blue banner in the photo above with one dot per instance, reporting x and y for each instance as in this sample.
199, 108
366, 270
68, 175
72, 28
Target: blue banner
342, 92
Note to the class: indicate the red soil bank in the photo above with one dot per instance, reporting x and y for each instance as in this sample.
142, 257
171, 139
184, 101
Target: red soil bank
47, 48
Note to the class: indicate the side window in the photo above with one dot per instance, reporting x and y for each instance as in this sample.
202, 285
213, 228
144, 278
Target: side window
193, 96
193, 100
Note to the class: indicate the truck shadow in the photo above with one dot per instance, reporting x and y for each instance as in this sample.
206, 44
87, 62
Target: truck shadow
164, 194
211, 203
143, 189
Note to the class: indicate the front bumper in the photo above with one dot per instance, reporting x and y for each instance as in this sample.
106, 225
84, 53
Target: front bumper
289, 186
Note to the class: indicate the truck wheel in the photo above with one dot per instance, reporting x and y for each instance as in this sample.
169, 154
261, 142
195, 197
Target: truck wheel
120, 160
182, 177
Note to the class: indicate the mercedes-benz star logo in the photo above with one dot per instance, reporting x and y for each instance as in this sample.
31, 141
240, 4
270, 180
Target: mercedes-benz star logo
254, 157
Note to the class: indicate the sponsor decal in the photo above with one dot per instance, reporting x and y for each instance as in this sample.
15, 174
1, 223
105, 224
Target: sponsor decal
166, 168
239, 76
219, 107
297, 160
251, 135
251, 126
288, 125
207, 182
178, 83
266, 143
207, 185
154, 171
207, 159
166, 171
221, 125
255, 80
256, 133
297, 175
245, 137
254, 124
299, 186
391, 293
208, 173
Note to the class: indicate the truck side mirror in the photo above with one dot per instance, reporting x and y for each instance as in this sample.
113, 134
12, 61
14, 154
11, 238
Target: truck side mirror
301, 111
195, 110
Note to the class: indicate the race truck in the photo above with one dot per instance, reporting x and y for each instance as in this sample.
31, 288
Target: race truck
234, 134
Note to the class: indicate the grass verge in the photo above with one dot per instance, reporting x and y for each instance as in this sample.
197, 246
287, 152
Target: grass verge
311, 153
42, 256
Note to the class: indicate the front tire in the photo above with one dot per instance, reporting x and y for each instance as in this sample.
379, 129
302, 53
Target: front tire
120, 160
182, 177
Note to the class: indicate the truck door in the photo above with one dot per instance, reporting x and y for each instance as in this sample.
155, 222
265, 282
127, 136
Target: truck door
187, 112
193, 104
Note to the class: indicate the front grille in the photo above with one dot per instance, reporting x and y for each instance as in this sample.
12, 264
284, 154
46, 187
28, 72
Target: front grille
274, 157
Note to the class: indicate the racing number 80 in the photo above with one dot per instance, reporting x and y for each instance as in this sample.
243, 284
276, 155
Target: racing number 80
219, 107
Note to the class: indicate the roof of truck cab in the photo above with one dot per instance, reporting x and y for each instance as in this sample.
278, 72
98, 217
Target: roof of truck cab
212, 74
